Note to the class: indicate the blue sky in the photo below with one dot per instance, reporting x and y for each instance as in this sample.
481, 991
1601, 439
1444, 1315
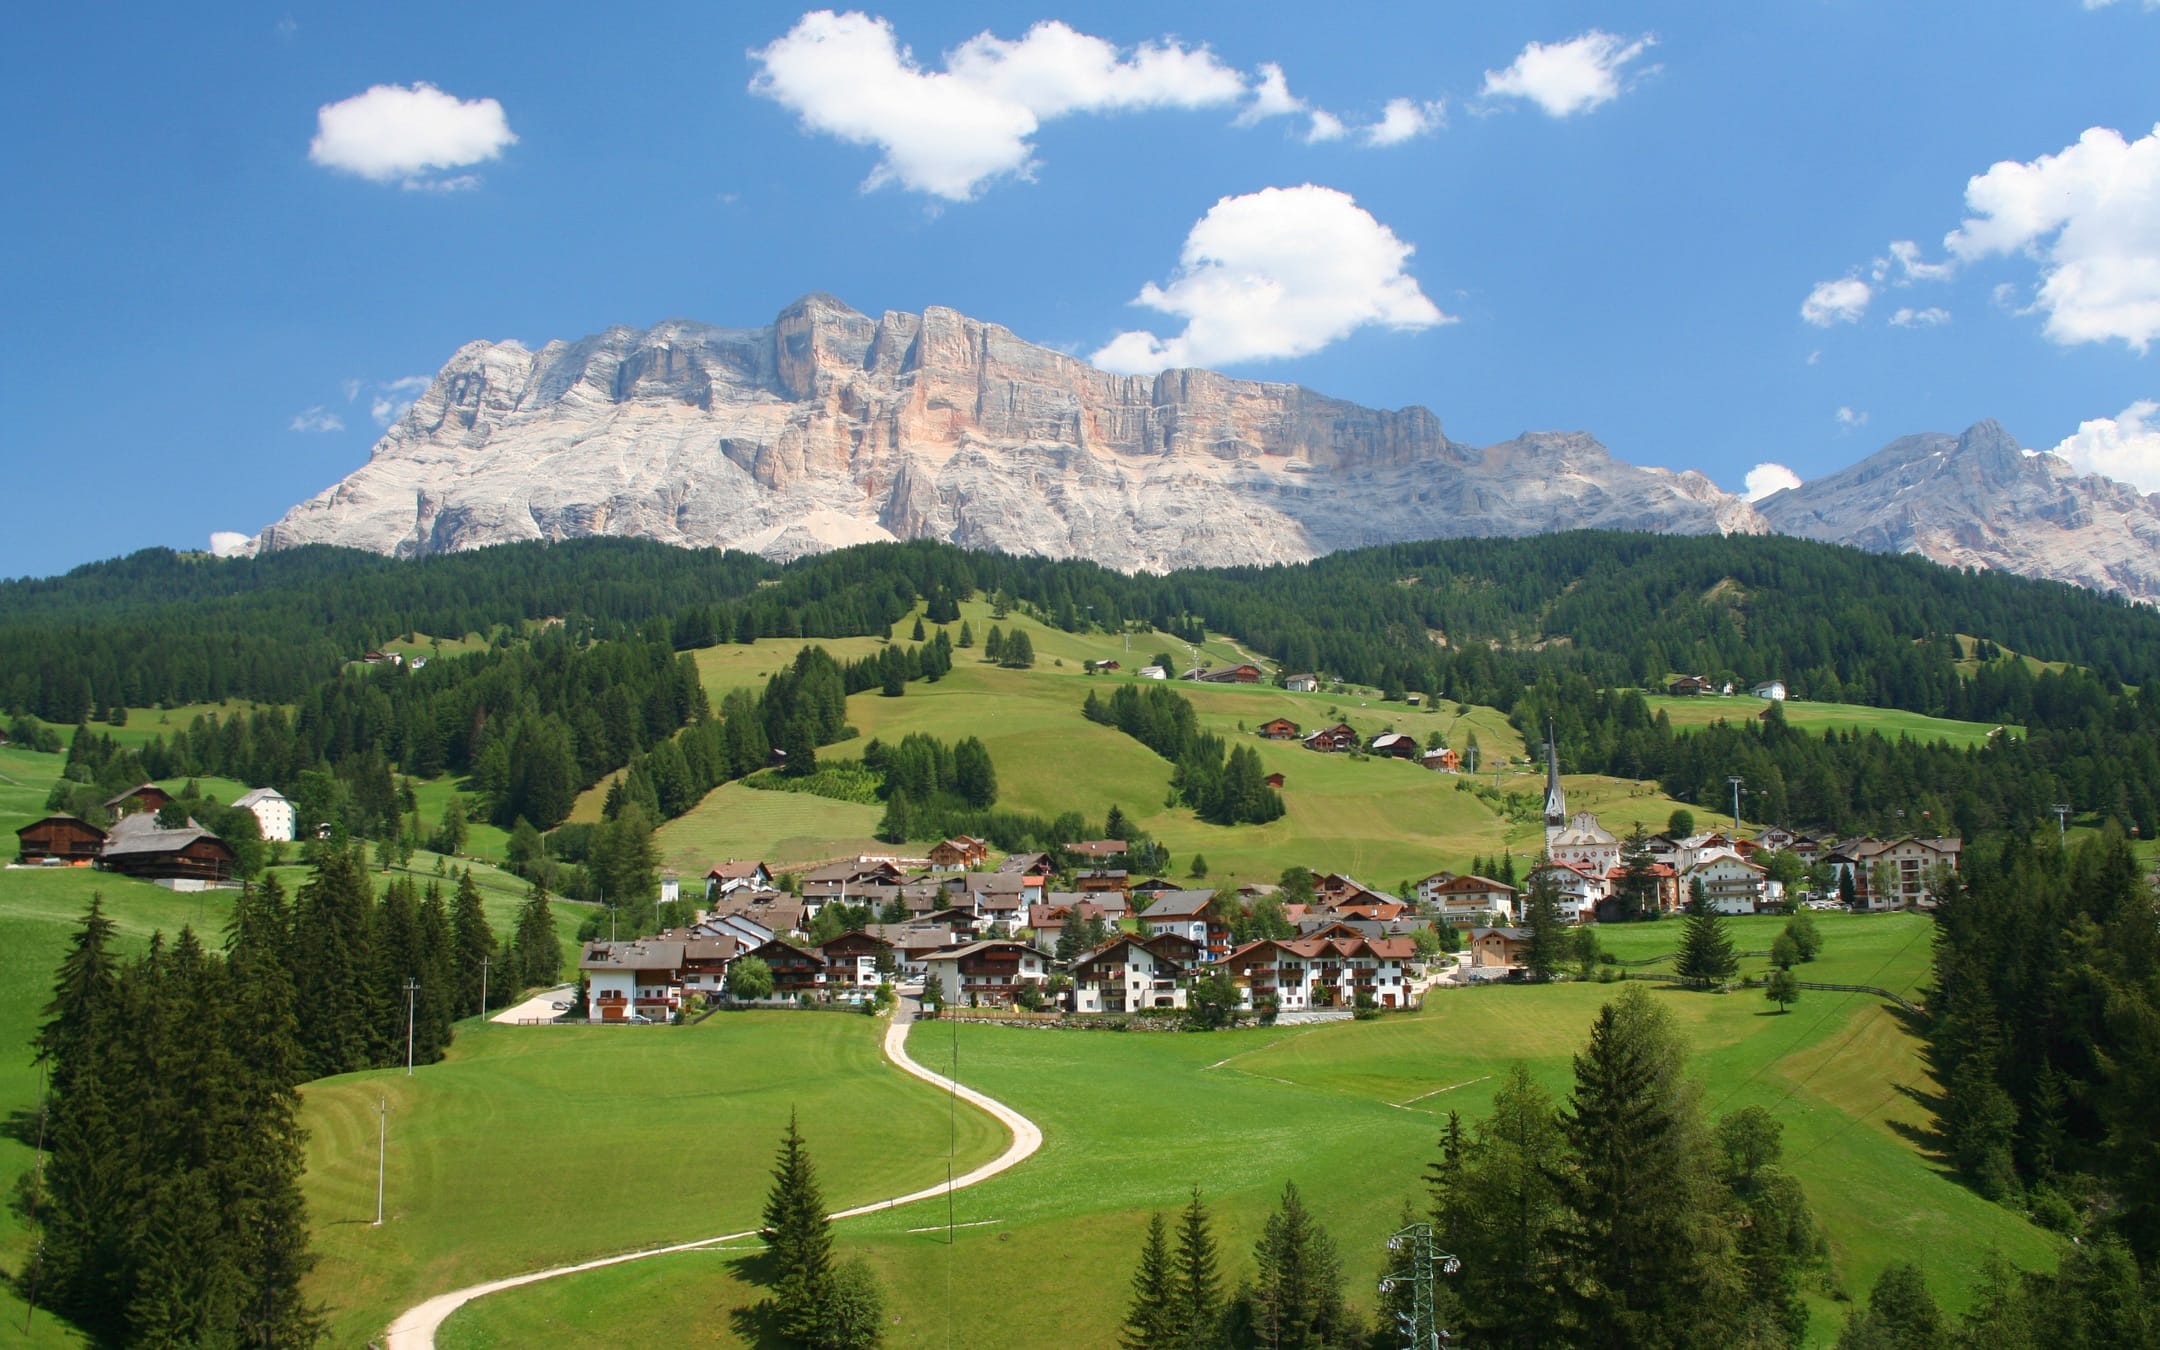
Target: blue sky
1669, 225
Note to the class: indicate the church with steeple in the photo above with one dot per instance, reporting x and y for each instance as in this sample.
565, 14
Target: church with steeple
1555, 795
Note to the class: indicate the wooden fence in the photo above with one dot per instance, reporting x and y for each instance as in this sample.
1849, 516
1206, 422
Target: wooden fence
1877, 990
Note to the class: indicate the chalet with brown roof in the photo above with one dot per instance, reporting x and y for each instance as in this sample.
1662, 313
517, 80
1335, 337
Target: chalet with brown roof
1274, 780
796, 971
1098, 850
1467, 900
777, 911
146, 797
1498, 948
1442, 760
856, 964
1322, 971
1893, 873
1126, 975
1333, 740
1280, 729
137, 847
1394, 745
732, 876
1109, 880
958, 854
60, 840
986, 974
913, 943
1027, 862
1048, 921
1238, 674
1689, 686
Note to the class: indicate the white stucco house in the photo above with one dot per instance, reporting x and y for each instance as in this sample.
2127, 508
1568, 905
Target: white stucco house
271, 811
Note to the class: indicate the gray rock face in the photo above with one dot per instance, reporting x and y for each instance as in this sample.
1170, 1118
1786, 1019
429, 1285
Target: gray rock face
830, 428
1978, 500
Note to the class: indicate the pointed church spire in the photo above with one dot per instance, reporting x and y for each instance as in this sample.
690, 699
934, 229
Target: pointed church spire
1555, 795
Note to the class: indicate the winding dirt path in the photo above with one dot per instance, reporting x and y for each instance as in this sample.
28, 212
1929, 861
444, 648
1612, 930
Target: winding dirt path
415, 1328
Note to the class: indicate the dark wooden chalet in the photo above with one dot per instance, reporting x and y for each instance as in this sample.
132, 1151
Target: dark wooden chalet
136, 847
65, 839
147, 797
795, 971
1281, 729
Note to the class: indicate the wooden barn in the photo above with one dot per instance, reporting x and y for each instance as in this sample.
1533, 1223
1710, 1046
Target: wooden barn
138, 848
63, 839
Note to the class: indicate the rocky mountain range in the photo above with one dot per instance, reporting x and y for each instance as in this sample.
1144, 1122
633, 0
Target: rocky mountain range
828, 428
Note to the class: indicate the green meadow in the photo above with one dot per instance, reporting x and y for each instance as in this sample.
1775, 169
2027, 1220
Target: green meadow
1817, 718
1351, 1112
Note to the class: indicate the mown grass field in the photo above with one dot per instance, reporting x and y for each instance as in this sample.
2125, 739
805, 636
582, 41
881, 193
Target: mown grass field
1351, 1112
1816, 718
533, 1146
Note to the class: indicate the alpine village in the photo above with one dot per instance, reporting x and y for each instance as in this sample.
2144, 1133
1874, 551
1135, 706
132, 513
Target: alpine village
1142, 678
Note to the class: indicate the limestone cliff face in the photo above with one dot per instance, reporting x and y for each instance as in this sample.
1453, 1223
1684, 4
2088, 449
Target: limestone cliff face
829, 428
1978, 500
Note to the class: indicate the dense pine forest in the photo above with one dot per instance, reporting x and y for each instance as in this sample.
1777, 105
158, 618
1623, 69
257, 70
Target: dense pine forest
1477, 620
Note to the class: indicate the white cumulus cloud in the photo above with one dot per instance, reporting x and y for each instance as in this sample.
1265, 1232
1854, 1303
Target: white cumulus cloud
317, 419
951, 130
1908, 317
1276, 273
1405, 119
948, 132
394, 132
1565, 78
229, 543
2125, 447
1835, 302
2090, 215
1766, 478
1850, 419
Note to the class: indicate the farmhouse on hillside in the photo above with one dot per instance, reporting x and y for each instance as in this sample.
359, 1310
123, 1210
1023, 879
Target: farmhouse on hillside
60, 839
273, 812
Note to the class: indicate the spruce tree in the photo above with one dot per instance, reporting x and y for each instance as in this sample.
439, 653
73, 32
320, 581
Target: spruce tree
79, 1257
1150, 1322
539, 951
1496, 1205
798, 1239
1197, 1295
1294, 1301
332, 963
1644, 1253
471, 941
1548, 939
1706, 949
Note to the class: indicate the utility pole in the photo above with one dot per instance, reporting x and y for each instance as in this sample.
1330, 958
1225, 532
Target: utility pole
412, 987
382, 1152
1419, 1326
483, 986
1736, 780
2062, 819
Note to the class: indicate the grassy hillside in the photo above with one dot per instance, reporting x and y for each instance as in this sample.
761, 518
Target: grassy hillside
1351, 1112
1817, 718
39, 911
533, 1146
1382, 820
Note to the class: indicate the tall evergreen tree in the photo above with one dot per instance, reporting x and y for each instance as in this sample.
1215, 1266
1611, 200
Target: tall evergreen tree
1496, 1204
79, 1258
1645, 1254
1706, 948
1294, 1301
798, 1239
1197, 1296
333, 963
539, 951
1548, 942
471, 941
1150, 1322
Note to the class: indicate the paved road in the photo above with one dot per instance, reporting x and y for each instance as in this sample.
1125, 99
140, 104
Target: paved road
415, 1328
